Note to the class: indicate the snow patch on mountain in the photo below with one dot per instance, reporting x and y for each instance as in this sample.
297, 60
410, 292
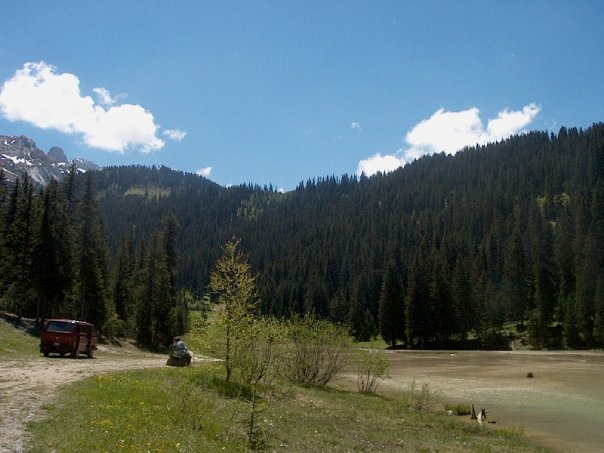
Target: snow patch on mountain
19, 155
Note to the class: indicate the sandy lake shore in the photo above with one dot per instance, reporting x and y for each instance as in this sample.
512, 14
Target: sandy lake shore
561, 407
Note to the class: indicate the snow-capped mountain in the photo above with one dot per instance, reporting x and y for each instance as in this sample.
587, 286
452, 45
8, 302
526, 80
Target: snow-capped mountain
20, 155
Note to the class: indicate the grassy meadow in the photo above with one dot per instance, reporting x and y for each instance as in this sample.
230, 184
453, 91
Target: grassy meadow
193, 410
15, 343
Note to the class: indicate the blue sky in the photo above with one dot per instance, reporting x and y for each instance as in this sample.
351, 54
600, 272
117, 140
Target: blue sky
282, 91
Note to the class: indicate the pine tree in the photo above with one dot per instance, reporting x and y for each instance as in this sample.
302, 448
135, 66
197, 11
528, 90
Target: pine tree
543, 286
361, 320
91, 280
52, 266
463, 300
19, 241
418, 304
169, 235
599, 316
178, 310
124, 284
154, 314
232, 282
516, 280
442, 307
392, 306
570, 318
590, 269
316, 296
564, 253
7, 245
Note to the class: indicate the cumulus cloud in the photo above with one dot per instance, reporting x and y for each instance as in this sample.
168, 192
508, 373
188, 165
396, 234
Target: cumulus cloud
41, 96
377, 163
508, 122
205, 172
105, 98
175, 134
355, 125
451, 132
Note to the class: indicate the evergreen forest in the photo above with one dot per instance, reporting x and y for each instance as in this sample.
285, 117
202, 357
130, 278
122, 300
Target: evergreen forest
447, 251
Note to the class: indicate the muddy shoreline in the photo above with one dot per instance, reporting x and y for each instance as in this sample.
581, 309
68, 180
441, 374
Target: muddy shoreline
561, 407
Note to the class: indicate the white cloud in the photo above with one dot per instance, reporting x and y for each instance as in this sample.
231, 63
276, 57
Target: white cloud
508, 123
37, 94
205, 172
105, 97
445, 131
175, 134
451, 132
355, 125
377, 163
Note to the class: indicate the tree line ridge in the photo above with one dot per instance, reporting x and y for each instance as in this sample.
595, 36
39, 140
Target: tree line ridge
442, 252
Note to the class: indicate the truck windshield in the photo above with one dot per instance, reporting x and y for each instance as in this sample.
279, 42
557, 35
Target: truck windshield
60, 326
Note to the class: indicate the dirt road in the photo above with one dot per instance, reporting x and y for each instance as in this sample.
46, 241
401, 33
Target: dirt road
27, 384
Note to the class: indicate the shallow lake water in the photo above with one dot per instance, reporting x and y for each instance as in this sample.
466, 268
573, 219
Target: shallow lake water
561, 407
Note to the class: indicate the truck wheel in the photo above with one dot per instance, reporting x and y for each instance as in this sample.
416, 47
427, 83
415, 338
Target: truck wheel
46, 352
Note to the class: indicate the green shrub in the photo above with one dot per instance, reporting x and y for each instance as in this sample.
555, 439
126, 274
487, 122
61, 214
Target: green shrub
316, 350
420, 398
372, 367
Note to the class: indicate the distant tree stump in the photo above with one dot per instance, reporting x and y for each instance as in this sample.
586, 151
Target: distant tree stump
529, 374
481, 416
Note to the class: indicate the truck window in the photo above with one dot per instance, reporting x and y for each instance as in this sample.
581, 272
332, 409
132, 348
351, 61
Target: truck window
59, 326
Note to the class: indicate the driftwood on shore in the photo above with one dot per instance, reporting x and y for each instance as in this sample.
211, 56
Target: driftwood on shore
481, 416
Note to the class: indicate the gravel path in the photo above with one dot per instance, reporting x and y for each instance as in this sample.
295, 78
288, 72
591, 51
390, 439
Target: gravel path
27, 384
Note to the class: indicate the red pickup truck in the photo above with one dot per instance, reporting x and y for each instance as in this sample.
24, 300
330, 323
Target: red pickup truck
68, 336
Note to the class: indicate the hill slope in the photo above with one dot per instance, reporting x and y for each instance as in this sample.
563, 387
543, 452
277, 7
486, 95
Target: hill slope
440, 252
506, 231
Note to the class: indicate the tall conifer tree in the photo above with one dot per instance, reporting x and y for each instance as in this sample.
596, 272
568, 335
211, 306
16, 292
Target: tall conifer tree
91, 302
155, 316
392, 306
19, 240
53, 268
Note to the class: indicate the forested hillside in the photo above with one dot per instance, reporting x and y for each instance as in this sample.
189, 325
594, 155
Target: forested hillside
446, 249
512, 231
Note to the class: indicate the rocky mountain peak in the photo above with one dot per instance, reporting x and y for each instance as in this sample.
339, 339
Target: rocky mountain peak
57, 154
20, 155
